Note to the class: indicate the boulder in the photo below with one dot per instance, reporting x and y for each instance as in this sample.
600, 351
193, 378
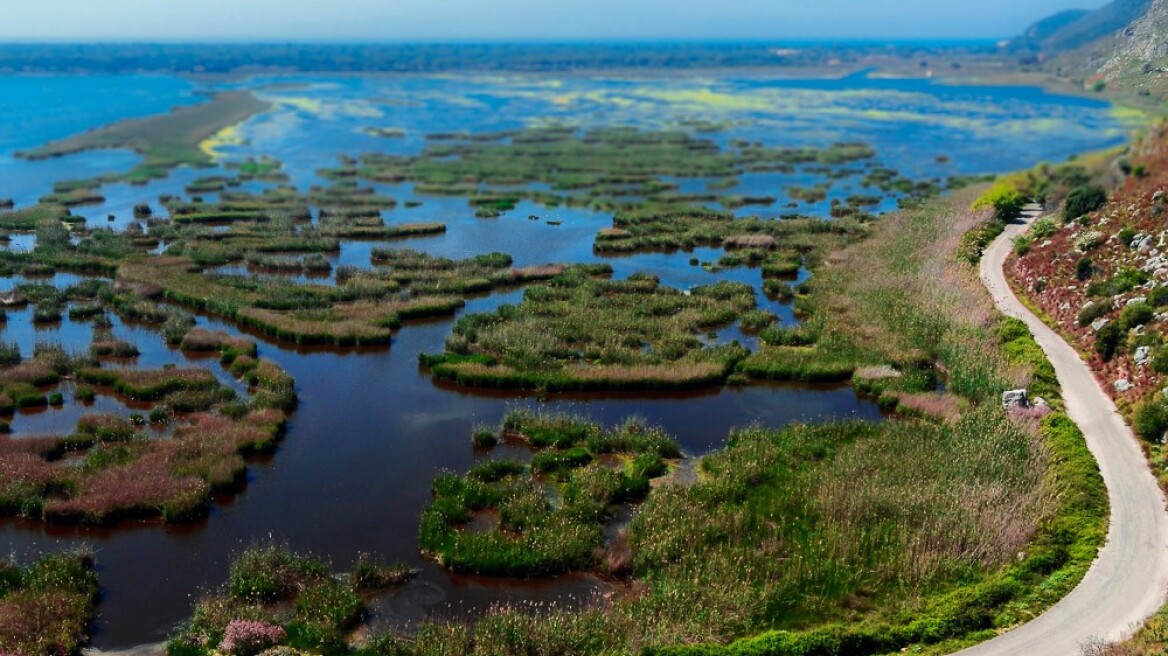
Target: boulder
1143, 355
1123, 385
1141, 242
1015, 399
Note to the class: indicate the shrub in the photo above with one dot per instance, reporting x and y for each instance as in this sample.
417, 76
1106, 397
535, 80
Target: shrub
1125, 236
1159, 363
1136, 314
1084, 200
1085, 268
1043, 229
1022, 244
1158, 297
1151, 419
1108, 340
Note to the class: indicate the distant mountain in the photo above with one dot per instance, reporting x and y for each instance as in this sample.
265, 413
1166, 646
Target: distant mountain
1070, 30
1035, 35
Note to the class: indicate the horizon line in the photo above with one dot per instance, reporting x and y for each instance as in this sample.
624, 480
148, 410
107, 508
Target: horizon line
567, 41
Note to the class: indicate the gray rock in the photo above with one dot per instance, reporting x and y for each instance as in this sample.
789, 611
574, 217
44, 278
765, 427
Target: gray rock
1098, 324
1137, 299
1123, 385
1143, 355
1141, 242
1040, 402
1155, 263
1015, 399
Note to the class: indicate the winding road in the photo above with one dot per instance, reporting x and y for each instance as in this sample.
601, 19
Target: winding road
1128, 581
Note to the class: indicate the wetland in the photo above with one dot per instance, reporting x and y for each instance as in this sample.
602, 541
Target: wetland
484, 328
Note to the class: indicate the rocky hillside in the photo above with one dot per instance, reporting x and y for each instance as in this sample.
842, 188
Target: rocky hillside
1122, 47
1103, 276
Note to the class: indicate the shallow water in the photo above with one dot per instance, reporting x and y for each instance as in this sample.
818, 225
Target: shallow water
372, 430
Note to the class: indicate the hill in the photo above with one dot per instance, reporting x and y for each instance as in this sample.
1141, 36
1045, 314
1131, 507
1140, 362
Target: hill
1069, 31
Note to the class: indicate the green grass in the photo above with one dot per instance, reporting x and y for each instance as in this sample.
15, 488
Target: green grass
276, 587
585, 333
547, 517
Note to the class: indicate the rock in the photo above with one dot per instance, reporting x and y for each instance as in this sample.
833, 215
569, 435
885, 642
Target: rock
1143, 355
1098, 324
1015, 399
1155, 263
1088, 240
1158, 196
1141, 242
1122, 385
1136, 300
1040, 402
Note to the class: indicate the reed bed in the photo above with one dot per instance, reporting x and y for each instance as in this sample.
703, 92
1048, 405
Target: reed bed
276, 598
47, 606
580, 332
552, 512
111, 468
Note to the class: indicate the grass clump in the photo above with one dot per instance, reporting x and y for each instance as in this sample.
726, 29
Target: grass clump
276, 597
580, 332
546, 517
46, 607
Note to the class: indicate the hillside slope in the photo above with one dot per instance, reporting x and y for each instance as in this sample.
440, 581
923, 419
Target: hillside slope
1121, 48
1069, 30
1103, 279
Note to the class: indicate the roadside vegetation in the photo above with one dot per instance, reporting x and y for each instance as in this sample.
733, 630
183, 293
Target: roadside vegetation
1097, 272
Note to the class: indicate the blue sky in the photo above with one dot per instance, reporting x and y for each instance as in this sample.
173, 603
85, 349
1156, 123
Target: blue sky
336, 20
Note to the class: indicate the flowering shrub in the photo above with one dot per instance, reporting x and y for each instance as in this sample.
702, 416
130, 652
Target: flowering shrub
249, 637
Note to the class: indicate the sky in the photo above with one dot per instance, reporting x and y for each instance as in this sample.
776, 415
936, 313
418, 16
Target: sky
540, 20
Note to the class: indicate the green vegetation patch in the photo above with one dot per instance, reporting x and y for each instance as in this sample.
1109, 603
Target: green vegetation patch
46, 607
582, 332
278, 598
508, 519
111, 467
